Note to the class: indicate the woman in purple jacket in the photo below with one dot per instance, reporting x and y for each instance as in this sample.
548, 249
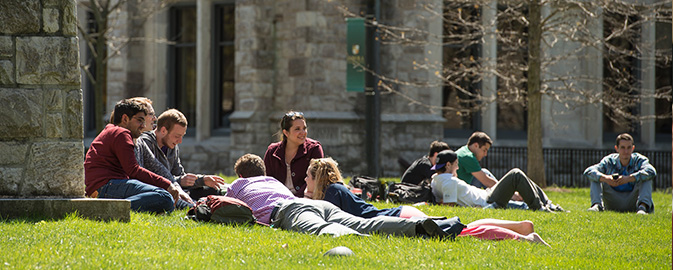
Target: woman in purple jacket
288, 159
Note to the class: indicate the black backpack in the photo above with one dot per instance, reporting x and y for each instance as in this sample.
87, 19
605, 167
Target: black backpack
372, 188
410, 193
222, 209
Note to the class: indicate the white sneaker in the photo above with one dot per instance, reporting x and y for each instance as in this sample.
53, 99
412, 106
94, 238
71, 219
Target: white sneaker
596, 208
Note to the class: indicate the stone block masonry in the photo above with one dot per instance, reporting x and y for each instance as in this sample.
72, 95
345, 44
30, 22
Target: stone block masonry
41, 148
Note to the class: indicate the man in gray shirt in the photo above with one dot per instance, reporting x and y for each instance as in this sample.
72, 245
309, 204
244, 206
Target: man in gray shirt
158, 152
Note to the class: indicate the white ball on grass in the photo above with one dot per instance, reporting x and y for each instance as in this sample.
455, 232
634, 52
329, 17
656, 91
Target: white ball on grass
339, 251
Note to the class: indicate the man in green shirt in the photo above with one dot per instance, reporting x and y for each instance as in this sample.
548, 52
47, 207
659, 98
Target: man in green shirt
469, 169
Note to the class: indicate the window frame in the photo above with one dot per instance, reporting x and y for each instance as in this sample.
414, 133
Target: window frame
171, 98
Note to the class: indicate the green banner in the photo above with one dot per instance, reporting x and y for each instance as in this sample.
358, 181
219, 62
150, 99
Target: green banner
357, 53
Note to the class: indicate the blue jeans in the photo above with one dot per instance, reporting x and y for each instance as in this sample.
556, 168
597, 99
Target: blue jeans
477, 183
144, 197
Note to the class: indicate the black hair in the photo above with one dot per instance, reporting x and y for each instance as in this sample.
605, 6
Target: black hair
126, 107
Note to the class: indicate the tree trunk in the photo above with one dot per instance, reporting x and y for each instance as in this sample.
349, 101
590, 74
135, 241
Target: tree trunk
535, 155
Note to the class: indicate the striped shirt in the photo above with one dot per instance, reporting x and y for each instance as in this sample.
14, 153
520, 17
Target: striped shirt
261, 193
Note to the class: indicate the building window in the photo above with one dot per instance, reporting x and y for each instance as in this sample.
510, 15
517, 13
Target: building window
182, 59
663, 74
90, 121
460, 50
224, 71
512, 36
620, 75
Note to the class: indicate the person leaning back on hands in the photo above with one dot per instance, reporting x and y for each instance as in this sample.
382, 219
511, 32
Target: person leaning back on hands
288, 159
112, 171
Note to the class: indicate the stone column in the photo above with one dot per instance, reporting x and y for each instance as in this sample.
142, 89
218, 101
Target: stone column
41, 147
489, 58
204, 10
647, 80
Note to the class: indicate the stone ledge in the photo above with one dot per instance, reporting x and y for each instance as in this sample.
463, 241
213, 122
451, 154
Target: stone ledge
97, 209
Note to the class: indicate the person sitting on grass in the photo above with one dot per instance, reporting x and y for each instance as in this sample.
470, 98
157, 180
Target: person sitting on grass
420, 171
324, 182
112, 171
152, 164
273, 203
450, 190
159, 152
622, 180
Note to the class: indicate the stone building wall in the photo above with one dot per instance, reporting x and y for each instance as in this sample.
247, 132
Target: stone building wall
41, 149
291, 55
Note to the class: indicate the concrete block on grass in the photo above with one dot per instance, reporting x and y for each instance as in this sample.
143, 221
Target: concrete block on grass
56, 208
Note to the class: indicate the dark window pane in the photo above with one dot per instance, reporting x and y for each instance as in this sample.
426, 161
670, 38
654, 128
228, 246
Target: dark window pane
183, 69
461, 67
663, 81
186, 25
224, 67
512, 65
185, 92
619, 74
228, 23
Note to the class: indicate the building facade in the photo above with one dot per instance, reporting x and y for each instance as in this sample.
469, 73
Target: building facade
235, 67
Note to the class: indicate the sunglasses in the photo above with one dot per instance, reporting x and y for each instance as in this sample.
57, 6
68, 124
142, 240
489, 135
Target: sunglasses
293, 114
290, 117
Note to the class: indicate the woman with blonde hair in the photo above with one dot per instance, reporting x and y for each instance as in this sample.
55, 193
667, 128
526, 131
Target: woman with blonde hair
324, 182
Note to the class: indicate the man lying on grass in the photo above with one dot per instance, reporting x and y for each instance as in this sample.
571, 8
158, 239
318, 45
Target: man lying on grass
273, 203
448, 189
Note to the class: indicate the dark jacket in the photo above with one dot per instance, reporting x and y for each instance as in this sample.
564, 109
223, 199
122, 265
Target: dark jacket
274, 160
418, 172
339, 195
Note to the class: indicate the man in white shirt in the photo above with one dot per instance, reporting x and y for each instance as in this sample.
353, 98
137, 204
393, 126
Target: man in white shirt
448, 189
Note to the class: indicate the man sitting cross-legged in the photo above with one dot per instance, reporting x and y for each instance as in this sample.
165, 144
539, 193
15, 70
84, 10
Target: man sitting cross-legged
112, 171
272, 203
159, 152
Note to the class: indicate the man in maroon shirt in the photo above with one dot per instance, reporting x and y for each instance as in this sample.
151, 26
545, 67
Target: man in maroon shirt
112, 171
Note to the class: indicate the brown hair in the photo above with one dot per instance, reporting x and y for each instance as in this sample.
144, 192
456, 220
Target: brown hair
169, 118
324, 171
250, 165
625, 137
286, 122
144, 102
480, 138
436, 147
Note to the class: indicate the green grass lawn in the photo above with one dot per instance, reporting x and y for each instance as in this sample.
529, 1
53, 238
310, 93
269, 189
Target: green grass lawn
579, 239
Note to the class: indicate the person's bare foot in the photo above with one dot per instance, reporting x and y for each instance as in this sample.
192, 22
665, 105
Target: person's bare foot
535, 238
